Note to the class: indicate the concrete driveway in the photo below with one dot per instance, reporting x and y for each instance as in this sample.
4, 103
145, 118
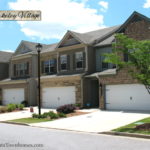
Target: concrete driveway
98, 121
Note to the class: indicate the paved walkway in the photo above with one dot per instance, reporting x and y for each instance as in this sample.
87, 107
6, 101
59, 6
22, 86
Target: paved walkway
98, 121
21, 114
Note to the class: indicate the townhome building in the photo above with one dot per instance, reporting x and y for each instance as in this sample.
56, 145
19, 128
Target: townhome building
4, 66
73, 71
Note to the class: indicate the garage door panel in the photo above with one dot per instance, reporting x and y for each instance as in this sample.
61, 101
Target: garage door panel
14, 96
54, 97
127, 97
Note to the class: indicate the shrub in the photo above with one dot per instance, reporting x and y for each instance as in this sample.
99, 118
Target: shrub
50, 115
20, 106
61, 115
25, 103
66, 109
17, 105
3, 109
78, 105
53, 115
11, 107
35, 115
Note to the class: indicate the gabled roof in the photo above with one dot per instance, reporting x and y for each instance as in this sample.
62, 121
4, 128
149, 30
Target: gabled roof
5, 56
91, 37
98, 35
110, 38
134, 15
67, 35
30, 47
50, 48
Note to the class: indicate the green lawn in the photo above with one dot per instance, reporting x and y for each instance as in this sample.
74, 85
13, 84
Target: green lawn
29, 120
131, 127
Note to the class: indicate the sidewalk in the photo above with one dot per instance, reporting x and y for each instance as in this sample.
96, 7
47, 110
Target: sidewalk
21, 114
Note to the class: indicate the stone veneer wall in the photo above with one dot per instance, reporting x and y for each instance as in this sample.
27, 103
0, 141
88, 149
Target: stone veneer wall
64, 81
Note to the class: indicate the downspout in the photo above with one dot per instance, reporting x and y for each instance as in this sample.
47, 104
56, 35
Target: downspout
101, 92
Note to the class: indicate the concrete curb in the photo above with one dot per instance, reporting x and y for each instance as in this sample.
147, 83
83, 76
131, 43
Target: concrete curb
15, 123
126, 134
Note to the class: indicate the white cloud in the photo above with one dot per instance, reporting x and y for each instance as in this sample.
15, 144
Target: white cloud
57, 17
104, 5
147, 4
7, 50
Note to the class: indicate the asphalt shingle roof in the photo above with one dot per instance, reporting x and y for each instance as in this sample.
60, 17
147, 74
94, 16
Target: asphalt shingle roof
5, 56
31, 47
97, 35
107, 41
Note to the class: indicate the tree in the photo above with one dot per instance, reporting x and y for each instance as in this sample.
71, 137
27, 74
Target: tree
133, 54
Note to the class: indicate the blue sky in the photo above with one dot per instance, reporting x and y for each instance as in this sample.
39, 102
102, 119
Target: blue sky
58, 16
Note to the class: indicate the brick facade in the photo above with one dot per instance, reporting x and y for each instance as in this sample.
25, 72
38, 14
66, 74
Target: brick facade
139, 30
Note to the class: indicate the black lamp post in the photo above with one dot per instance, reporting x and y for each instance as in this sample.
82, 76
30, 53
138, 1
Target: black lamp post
39, 47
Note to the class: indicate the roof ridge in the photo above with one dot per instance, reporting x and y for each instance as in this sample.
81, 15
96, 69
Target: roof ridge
101, 29
5, 52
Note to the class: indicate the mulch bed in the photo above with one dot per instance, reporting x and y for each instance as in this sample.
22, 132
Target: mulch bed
145, 126
76, 113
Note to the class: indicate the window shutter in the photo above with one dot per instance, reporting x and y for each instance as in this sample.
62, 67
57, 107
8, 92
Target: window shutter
74, 61
14, 69
27, 68
55, 65
68, 62
84, 60
59, 64
42, 66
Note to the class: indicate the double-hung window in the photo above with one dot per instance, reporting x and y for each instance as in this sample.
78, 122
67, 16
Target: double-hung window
63, 62
49, 66
21, 70
79, 60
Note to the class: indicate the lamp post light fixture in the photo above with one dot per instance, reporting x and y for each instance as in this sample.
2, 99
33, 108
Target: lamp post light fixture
39, 47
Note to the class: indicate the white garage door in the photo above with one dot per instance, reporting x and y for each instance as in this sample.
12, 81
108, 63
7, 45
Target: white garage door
54, 97
127, 97
13, 96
